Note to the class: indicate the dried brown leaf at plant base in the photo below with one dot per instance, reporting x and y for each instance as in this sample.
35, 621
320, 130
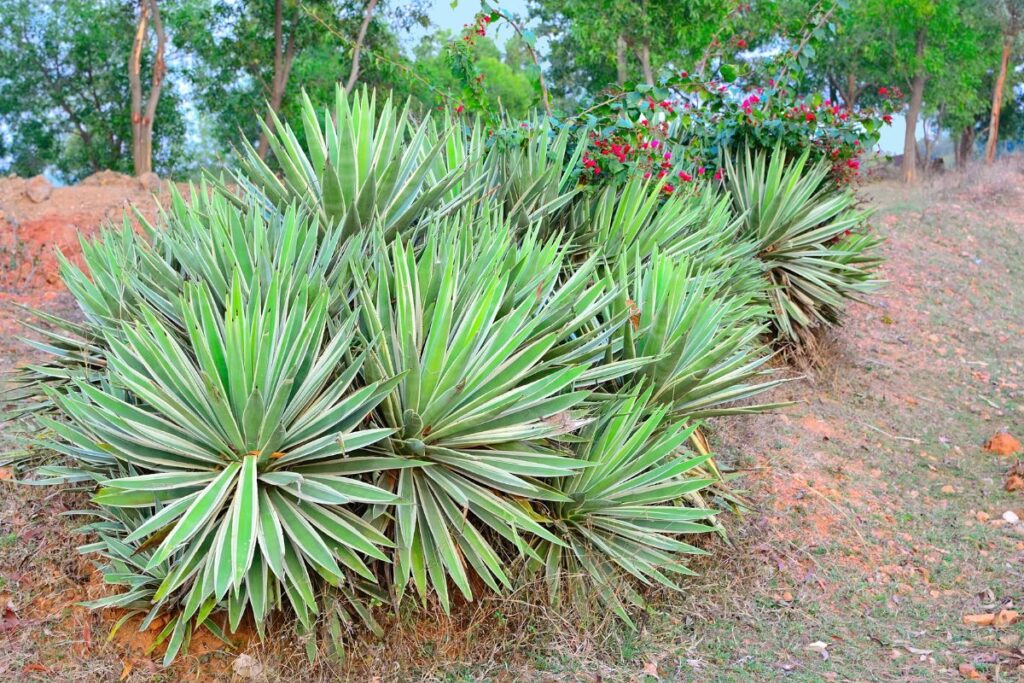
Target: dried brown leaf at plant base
1015, 477
1003, 443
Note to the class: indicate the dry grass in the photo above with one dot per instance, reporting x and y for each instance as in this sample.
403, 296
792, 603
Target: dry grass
980, 183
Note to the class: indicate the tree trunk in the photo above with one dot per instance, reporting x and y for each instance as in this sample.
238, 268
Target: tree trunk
620, 60
913, 111
965, 147
997, 100
284, 55
353, 74
645, 62
143, 116
929, 146
851, 92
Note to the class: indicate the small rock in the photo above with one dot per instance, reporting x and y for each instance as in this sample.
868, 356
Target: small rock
1003, 444
247, 668
38, 189
150, 182
1011, 517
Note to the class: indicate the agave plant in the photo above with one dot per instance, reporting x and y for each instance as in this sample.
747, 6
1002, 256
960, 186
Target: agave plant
365, 163
810, 237
532, 174
623, 513
418, 361
491, 351
240, 445
705, 346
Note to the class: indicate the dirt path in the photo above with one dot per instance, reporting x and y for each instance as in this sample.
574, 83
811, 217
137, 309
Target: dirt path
879, 519
877, 522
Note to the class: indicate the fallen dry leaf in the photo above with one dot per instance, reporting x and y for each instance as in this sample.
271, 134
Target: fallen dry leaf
979, 619
650, 669
948, 488
970, 673
1015, 477
9, 619
1003, 618
634, 314
1003, 444
126, 671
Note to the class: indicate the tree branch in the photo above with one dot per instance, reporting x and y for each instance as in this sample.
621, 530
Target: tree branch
353, 73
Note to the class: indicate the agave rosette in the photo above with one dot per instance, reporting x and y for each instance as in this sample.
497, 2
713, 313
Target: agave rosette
242, 444
810, 237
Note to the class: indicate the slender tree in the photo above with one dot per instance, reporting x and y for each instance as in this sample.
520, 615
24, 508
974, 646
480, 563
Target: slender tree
143, 108
917, 83
65, 100
1011, 16
357, 49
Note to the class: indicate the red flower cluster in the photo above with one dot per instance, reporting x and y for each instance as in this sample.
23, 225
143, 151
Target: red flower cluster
478, 28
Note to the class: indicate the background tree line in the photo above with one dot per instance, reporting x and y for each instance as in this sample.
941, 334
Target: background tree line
168, 85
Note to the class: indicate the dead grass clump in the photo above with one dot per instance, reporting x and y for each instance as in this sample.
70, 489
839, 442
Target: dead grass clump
982, 184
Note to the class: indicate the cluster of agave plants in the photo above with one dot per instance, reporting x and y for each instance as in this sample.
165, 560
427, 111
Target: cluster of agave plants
413, 366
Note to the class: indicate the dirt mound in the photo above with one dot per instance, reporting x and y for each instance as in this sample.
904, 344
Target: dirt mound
33, 229
104, 178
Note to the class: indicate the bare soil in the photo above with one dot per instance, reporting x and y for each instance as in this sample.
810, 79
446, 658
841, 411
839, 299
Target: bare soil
876, 518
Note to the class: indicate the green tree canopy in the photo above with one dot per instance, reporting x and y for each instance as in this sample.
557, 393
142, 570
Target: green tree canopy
64, 91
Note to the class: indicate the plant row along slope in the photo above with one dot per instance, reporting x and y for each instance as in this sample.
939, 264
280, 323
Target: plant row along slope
417, 364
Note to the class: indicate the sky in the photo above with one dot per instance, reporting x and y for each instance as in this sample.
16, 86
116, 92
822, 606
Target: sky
443, 15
